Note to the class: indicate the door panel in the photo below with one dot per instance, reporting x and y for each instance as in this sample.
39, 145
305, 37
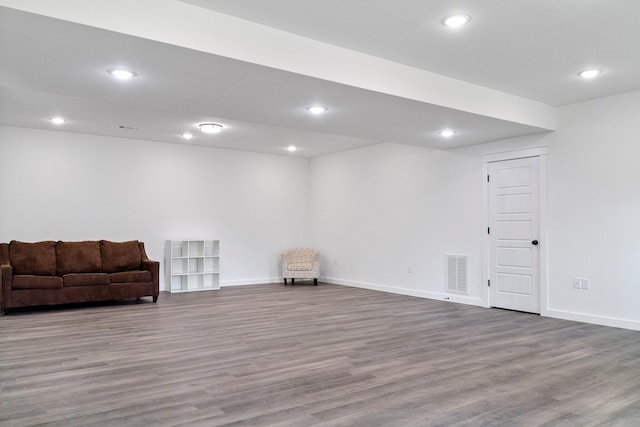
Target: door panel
513, 203
514, 177
514, 257
513, 230
514, 283
514, 268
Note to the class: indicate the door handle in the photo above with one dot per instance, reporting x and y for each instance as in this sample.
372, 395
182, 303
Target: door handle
534, 243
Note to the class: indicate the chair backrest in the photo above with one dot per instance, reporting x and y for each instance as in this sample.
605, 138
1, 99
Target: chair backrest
301, 255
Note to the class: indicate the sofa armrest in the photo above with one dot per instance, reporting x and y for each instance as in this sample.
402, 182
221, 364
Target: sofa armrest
6, 279
6, 276
153, 267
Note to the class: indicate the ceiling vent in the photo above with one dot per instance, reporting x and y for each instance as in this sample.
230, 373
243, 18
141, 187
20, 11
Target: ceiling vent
458, 274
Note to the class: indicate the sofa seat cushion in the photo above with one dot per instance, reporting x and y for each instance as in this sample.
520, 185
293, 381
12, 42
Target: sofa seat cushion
27, 281
120, 256
85, 279
33, 258
300, 266
133, 276
78, 257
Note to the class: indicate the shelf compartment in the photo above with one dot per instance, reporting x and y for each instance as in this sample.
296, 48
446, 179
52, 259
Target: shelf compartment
179, 249
179, 283
196, 248
211, 264
196, 265
211, 281
179, 266
196, 281
211, 248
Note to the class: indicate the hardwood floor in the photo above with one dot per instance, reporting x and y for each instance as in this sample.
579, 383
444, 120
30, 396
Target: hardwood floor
270, 355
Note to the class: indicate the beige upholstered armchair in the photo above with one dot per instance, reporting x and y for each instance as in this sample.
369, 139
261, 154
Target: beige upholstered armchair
301, 263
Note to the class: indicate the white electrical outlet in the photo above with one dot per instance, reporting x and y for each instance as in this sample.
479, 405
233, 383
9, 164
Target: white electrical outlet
586, 283
577, 282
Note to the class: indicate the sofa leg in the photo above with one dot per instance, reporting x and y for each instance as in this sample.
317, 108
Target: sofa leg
293, 281
155, 298
315, 282
285, 282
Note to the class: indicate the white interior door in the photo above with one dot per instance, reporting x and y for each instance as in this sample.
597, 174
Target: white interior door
514, 230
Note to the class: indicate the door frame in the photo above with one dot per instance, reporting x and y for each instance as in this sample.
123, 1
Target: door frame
541, 153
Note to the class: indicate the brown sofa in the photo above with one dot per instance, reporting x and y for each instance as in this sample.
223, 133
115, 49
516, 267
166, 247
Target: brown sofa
47, 273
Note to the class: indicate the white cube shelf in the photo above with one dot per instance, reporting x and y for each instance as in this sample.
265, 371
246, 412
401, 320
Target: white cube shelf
192, 265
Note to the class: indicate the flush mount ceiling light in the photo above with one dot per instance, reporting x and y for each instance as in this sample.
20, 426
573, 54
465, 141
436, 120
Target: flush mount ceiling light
210, 127
292, 148
317, 109
187, 136
57, 120
447, 133
456, 21
122, 74
590, 73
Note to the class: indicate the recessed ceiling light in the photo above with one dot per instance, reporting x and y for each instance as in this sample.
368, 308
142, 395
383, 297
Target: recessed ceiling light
210, 128
456, 21
292, 148
447, 133
122, 74
57, 120
589, 74
187, 135
317, 109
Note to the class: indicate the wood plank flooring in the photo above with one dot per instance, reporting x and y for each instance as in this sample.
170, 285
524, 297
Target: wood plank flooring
269, 355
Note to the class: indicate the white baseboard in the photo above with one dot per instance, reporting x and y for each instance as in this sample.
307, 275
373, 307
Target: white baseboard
558, 314
597, 320
244, 282
463, 299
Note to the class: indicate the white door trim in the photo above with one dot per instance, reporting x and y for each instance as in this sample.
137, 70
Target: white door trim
541, 153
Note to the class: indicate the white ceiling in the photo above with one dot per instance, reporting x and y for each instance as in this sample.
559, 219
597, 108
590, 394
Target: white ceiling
54, 61
530, 48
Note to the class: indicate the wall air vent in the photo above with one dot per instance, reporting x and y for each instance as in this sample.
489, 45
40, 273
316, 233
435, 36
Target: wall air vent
458, 274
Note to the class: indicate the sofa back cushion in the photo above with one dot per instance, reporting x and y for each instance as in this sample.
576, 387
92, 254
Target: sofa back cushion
120, 256
78, 257
33, 258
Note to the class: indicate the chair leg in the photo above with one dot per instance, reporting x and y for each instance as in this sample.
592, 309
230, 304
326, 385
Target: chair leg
315, 282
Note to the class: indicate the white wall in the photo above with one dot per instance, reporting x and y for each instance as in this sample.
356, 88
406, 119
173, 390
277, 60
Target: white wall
68, 186
379, 209
376, 210
593, 209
